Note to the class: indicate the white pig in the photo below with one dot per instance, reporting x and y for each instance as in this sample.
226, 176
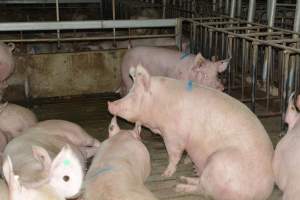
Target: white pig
286, 160
119, 168
174, 64
225, 140
44, 156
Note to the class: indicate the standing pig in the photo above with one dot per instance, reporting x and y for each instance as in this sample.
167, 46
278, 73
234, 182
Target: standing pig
286, 160
14, 119
225, 140
173, 64
119, 168
6, 63
3, 190
48, 155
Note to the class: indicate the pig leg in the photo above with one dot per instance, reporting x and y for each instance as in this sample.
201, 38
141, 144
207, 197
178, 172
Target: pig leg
175, 148
225, 176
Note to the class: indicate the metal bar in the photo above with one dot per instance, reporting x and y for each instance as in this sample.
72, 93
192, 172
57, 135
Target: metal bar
263, 34
57, 19
251, 10
178, 33
46, 1
254, 75
241, 28
89, 38
96, 24
271, 12
285, 70
239, 8
227, 7
232, 8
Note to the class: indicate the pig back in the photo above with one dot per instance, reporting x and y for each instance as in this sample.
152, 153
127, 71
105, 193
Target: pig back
3, 190
126, 153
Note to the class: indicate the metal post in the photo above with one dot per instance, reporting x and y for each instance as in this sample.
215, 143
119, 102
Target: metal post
114, 18
254, 75
178, 32
239, 8
214, 5
285, 70
232, 9
57, 19
164, 8
251, 10
220, 6
227, 7
271, 12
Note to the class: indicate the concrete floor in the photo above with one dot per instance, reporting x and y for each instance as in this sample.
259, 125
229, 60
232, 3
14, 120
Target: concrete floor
91, 113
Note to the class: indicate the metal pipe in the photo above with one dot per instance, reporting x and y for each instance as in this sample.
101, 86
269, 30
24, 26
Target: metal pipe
232, 9
57, 19
254, 75
251, 10
285, 70
271, 12
164, 8
239, 8
214, 5
227, 7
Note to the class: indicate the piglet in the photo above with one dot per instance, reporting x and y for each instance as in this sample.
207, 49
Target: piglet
3, 190
14, 119
45, 157
286, 160
225, 140
174, 64
119, 168
18, 191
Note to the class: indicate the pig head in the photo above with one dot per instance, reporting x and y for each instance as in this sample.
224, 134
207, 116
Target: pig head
63, 176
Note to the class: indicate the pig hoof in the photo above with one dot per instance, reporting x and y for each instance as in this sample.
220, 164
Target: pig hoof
185, 188
187, 160
169, 172
190, 180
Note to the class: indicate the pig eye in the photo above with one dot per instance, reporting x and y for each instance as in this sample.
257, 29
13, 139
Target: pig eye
66, 178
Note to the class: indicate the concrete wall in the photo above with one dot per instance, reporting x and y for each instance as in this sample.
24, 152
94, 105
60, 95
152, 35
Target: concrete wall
65, 74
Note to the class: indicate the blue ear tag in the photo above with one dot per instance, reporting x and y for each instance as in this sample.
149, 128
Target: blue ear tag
67, 162
189, 85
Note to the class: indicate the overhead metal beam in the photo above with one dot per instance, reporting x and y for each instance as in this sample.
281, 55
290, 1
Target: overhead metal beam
45, 1
95, 24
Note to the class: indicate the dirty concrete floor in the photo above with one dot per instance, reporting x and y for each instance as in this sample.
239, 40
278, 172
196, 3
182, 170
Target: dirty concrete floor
91, 113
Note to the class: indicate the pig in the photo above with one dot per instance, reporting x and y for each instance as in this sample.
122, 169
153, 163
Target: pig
14, 119
3, 190
43, 158
286, 160
119, 168
224, 139
173, 64
6, 63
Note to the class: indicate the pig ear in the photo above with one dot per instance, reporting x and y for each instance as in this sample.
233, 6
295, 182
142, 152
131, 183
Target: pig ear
11, 179
11, 46
137, 131
113, 127
222, 65
143, 76
199, 59
42, 156
62, 157
132, 72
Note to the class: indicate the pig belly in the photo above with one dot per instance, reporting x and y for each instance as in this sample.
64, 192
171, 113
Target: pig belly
229, 175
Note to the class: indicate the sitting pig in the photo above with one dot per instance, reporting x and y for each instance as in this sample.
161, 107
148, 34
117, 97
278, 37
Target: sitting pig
48, 156
173, 64
6, 63
14, 119
286, 160
119, 168
225, 140
3, 190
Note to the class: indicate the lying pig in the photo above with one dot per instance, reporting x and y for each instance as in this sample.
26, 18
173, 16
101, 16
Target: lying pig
43, 158
119, 168
6, 63
173, 64
14, 119
224, 139
286, 160
3, 190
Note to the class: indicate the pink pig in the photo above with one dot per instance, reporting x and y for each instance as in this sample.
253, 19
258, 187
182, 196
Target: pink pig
14, 119
173, 64
6, 63
224, 139
286, 160
119, 168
